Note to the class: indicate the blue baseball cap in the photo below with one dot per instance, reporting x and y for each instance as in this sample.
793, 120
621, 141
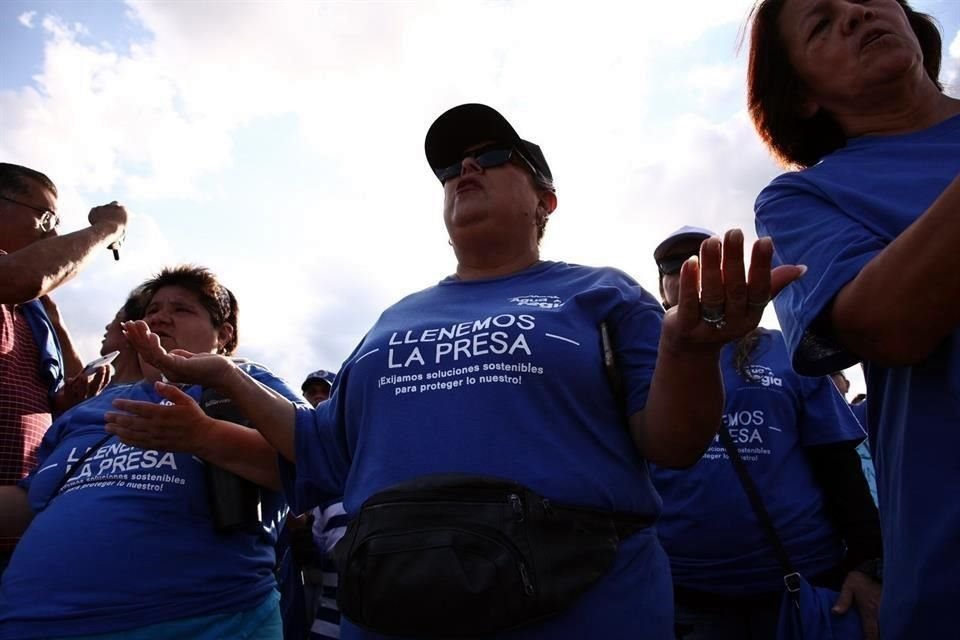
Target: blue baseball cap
682, 234
320, 375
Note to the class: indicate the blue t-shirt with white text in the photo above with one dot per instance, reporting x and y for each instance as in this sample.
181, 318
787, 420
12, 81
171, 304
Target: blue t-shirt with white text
505, 377
129, 540
709, 530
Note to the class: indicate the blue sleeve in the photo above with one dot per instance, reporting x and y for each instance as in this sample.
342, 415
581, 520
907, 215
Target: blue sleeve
51, 365
323, 455
808, 229
825, 416
266, 377
636, 336
287, 470
322, 462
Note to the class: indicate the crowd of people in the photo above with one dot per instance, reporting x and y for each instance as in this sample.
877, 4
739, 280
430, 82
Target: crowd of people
529, 448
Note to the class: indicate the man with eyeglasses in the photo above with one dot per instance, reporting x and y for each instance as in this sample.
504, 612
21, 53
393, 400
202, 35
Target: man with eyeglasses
34, 261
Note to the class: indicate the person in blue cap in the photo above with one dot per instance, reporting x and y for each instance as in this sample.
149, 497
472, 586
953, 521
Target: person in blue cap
316, 386
490, 434
797, 438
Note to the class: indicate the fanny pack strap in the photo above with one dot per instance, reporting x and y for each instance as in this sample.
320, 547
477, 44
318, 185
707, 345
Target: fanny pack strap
791, 578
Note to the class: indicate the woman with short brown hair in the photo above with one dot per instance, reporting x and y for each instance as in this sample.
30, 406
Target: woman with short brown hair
848, 92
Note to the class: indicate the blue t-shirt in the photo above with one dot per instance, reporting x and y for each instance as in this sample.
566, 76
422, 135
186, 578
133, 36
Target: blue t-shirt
51, 356
835, 217
505, 377
863, 449
710, 532
129, 540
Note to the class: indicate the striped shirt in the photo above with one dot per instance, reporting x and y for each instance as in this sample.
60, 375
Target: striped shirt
329, 525
24, 403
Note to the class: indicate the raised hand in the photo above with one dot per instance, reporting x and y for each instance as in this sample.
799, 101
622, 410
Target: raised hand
206, 369
717, 301
113, 216
180, 427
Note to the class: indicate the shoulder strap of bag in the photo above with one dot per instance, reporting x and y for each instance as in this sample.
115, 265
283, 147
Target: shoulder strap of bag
790, 576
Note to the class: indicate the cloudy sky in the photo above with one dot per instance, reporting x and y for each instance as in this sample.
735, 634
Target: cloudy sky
281, 143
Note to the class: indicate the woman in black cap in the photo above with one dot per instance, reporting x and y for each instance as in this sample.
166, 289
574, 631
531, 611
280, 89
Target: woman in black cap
524, 506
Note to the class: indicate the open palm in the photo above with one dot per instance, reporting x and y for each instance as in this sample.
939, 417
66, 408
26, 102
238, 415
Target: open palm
205, 369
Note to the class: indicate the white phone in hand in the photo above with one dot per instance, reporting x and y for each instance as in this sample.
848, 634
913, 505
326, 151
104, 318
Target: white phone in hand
99, 362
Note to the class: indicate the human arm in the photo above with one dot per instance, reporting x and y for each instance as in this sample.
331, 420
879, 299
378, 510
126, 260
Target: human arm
869, 315
875, 316
183, 426
685, 402
41, 267
268, 411
80, 387
15, 511
72, 362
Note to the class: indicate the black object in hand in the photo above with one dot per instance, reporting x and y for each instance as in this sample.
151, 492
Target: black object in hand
115, 247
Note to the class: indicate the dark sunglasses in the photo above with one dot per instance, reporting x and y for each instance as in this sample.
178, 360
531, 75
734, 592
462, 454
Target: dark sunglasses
672, 264
487, 158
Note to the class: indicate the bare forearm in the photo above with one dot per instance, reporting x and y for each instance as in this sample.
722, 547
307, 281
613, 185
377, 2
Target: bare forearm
268, 411
42, 266
907, 299
683, 411
15, 511
243, 451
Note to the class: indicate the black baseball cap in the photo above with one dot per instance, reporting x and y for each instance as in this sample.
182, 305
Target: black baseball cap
472, 123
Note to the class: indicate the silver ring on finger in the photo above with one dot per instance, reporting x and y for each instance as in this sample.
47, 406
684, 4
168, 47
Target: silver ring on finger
714, 316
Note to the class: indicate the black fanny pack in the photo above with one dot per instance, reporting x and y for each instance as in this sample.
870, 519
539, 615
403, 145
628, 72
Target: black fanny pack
457, 555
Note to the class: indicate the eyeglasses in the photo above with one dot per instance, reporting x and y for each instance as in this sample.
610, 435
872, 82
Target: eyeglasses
672, 264
49, 220
487, 158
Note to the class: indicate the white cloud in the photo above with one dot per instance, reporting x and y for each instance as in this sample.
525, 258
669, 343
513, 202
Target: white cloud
281, 144
951, 68
26, 18
360, 226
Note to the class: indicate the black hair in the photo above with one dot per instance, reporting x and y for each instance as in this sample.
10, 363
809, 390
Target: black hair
14, 177
219, 301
